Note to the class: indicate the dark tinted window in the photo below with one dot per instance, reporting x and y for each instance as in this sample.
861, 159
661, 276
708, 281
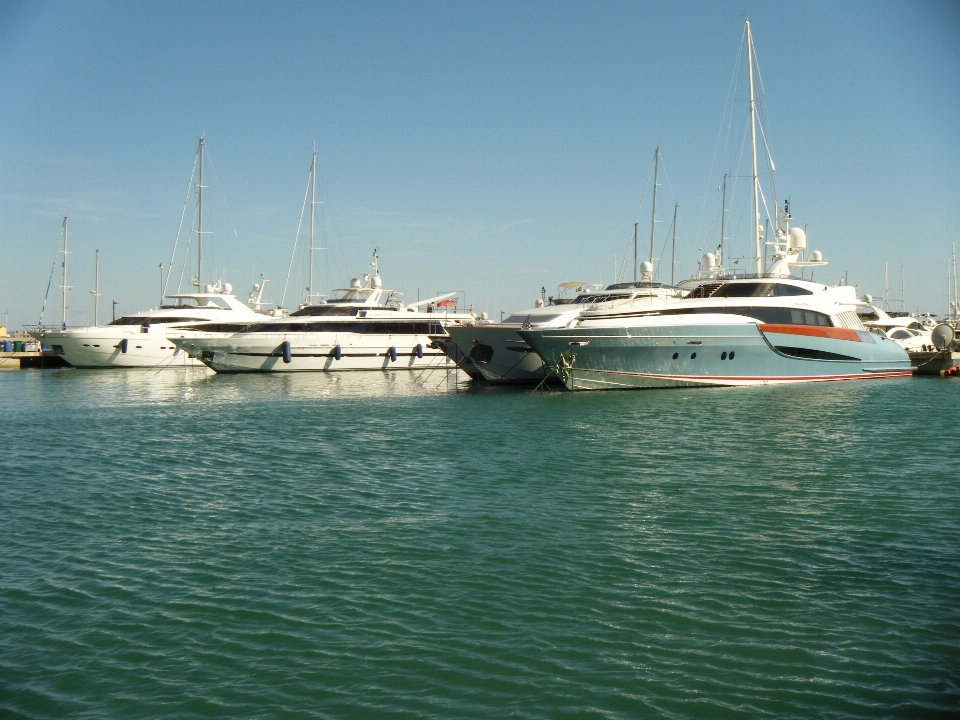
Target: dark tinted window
315, 310
775, 316
759, 289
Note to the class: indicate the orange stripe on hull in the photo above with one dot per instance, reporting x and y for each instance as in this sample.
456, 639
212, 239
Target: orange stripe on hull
834, 333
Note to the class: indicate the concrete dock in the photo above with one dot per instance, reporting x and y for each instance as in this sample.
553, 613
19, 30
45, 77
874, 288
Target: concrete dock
931, 363
38, 359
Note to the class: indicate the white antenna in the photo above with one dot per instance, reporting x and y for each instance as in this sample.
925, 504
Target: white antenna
96, 289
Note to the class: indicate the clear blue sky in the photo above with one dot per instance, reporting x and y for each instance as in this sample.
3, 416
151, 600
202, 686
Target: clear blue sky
493, 147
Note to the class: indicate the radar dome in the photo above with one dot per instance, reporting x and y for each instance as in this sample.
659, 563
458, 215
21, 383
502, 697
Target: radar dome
646, 267
868, 298
816, 256
484, 316
708, 261
377, 282
208, 288
798, 238
355, 283
227, 288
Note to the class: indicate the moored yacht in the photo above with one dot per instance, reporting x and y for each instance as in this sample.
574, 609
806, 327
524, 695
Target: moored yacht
503, 356
141, 340
771, 327
365, 327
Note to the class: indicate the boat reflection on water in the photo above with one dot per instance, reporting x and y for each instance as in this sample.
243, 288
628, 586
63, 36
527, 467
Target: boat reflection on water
136, 386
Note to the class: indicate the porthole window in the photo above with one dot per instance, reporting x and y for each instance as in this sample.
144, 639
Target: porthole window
723, 355
693, 356
731, 354
676, 355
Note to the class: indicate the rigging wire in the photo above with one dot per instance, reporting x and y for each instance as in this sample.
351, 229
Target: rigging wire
176, 240
53, 269
296, 240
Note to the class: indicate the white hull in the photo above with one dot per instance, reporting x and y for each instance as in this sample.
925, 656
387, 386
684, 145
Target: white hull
103, 347
314, 352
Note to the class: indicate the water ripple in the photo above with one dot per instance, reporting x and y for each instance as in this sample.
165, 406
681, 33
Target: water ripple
179, 544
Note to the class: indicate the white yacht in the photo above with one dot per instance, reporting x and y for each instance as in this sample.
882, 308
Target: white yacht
141, 340
502, 356
910, 333
365, 327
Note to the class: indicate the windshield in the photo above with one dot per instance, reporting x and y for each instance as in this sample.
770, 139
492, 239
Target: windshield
521, 318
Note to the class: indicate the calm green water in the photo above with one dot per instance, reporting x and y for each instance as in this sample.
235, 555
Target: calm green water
188, 545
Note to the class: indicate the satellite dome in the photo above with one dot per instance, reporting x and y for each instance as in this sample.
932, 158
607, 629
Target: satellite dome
798, 238
377, 282
355, 283
208, 288
227, 288
816, 255
708, 261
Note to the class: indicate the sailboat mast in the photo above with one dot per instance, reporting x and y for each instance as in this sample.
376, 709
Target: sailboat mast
96, 288
653, 213
956, 289
903, 291
200, 219
313, 199
635, 252
63, 314
673, 245
753, 145
886, 285
723, 216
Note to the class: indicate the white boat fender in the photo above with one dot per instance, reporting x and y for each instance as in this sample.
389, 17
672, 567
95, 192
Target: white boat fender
419, 350
123, 346
393, 354
337, 353
285, 347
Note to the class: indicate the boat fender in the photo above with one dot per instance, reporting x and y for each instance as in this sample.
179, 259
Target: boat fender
951, 371
419, 350
393, 354
337, 353
123, 346
286, 351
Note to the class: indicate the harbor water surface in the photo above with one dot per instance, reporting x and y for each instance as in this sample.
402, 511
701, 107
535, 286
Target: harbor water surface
187, 545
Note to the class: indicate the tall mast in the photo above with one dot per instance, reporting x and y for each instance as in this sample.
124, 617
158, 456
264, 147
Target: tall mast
673, 245
723, 216
753, 145
64, 287
903, 291
200, 219
956, 290
634, 252
886, 285
653, 213
313, 199
96, 288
